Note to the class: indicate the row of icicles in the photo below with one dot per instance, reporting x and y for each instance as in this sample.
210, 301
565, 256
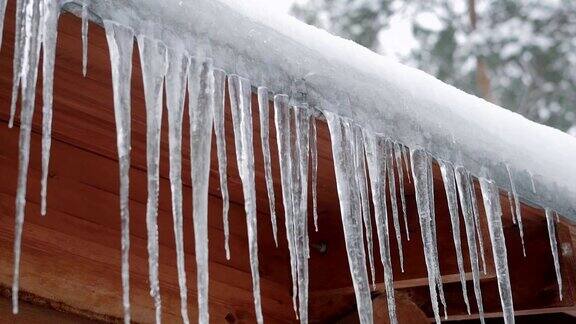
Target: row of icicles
364, 163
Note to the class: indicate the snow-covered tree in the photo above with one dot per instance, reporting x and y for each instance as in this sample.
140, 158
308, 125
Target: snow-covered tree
520, 54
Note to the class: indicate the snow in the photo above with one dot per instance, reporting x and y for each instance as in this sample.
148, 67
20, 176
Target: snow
402, 103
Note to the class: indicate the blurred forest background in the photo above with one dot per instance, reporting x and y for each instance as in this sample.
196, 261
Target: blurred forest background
520, 54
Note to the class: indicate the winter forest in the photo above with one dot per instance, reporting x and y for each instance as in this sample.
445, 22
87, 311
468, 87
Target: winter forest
513, 52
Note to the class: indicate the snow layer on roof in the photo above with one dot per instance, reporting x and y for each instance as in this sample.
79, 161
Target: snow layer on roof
287, 56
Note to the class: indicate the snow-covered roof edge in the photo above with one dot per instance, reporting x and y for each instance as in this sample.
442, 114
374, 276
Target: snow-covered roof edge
337, 75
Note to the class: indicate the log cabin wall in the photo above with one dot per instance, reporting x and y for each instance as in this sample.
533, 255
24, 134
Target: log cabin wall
71, 257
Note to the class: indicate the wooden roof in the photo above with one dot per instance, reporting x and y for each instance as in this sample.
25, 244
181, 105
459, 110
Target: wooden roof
72, 255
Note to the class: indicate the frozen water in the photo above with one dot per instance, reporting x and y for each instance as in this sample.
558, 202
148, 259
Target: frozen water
464, 193
85, 22
176, 77
477, 225
120, 44
200, 108
219, 98
263, 110
452, 197
17, 61
342, 136
240, 101
49, 26
31, 52
392, 191
362, 182
517, 205
154, 65
374, 148
300, 170
2, 13
398, 155
314, 157
554, 248
420, 173
491, 198
283, 135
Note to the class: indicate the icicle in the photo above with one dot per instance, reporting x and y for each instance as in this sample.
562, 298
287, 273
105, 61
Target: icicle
398, 156
19, 39
84, 39
557, 217
175, 94
491, 198
240, 101
2, 13
300, 199
30, 51
283, 134
362, 182
120, 43
511, 202
420, 173
452, 198
477, 222
377, 169
265, 139
518, 211
532, 182
219, 97
406, 155
464, 192
314, 157
200, 109
154, 64
392, 190
342, 137
50, 25
435, 253
554, 248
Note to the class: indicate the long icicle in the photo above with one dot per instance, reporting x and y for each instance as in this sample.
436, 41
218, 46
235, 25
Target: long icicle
377, 170
420, 173
362, 182
342, 136
554, 248
476, 215
31, 52
283, 134
19, 39
314, 157
200, 110
154, 64
491, 198
392, 191
120, 44
464, 192
50, 25
219, 99
452, 198
176, 77
263, 110
518, 209
435, 254
301, 151
398, 157
84, 39
240, 101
